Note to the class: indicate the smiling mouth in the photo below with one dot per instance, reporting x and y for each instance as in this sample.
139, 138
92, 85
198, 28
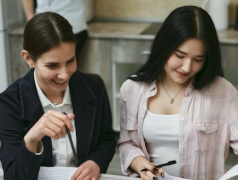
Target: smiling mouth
59, 82
181, 74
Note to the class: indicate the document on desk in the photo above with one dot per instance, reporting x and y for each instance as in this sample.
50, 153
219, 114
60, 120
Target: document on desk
65, 173
56, 173
168, 177
229, 174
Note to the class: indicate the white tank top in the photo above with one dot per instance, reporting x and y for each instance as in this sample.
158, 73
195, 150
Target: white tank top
161, 133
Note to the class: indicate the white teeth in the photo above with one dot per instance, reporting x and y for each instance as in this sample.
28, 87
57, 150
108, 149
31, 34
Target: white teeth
59, 82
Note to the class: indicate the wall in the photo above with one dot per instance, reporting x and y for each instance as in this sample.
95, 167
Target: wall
146, 10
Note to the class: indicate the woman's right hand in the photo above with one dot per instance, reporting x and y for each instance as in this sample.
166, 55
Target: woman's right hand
51, 124
140, 163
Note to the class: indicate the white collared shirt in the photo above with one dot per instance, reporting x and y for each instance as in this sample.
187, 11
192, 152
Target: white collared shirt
62, 151
72, 10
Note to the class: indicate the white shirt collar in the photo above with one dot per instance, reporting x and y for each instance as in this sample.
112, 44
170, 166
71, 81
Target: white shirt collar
45, 101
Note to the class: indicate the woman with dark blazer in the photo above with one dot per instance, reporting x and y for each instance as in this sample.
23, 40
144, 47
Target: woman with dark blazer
37, 110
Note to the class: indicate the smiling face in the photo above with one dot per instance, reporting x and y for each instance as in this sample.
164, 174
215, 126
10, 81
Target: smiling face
186, 61
54, 69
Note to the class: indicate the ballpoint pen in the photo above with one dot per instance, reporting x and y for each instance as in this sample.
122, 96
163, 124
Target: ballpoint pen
72, 145
161, 165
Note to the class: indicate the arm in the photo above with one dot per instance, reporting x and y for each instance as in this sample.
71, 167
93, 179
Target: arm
131, 154
233, 119
28, 7
18, 147
18, 162
128, 141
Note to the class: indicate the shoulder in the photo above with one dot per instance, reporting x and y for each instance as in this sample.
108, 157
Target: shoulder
133, 85
221, 86
90, 80
14, 88
10, 98
130, 87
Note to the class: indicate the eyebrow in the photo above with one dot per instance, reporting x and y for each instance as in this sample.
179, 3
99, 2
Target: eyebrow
58, 63
187, 53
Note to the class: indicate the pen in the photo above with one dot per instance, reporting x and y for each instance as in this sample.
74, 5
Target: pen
72, 145
161, 165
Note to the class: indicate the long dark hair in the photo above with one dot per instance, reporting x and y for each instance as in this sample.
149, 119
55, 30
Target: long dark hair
45, 31
181, 24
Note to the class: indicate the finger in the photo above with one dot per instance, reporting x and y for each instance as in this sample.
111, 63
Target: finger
151, 175
64, 118
56, 126
59, 124
76, 174
160, 171
50, 133
67, 120
84, 178
144, 176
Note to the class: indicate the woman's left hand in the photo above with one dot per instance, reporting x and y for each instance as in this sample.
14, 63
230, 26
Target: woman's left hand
87, 171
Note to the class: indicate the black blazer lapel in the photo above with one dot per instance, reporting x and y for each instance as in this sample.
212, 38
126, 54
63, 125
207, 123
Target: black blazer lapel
84, 108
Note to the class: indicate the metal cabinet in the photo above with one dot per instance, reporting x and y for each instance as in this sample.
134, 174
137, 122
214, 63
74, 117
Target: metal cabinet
114, 60
127, 57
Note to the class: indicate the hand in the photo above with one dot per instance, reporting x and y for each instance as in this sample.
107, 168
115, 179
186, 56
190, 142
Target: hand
87, 171
140, 163
51, 124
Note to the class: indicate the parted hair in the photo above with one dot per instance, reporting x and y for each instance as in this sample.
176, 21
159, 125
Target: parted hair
45, 31
182, 24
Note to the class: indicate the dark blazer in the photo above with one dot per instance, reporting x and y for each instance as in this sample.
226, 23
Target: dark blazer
20, 109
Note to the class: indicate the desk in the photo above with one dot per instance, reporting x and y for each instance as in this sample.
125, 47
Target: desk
102, 176
115, 177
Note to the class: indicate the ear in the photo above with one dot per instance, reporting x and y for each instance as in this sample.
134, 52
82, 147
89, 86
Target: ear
26, 56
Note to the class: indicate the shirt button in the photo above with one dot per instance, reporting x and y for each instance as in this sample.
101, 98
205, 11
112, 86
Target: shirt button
183, 119
62, 157
182, 163
182, 142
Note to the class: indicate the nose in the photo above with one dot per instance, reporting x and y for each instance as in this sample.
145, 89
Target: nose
63, 73
186, 66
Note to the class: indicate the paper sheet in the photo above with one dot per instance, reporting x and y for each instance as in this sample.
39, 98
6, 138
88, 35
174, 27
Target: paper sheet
65, 173
231, 173
56, 173
168, 177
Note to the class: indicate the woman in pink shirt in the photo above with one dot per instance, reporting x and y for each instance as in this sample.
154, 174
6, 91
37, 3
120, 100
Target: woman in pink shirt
178, 106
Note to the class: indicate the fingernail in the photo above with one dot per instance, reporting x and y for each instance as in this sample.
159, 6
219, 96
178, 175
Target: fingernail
162, 175
155, 169
155, 178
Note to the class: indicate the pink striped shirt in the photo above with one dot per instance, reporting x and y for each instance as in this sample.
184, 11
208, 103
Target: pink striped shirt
208, 125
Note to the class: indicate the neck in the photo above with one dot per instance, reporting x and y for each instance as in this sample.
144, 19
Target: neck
55, 97
170, 84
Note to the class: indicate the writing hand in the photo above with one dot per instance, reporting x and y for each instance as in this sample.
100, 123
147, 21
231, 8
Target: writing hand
88, 170
51, 124
141, 163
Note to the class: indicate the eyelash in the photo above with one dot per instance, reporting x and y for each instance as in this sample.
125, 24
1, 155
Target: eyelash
54, 66
180, 57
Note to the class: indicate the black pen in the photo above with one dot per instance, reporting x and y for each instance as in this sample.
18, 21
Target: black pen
161, 165
72, 145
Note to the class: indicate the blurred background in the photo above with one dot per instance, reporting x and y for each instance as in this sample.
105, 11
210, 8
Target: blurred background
120, 36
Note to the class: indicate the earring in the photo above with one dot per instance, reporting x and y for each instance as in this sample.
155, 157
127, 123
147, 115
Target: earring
30, 66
